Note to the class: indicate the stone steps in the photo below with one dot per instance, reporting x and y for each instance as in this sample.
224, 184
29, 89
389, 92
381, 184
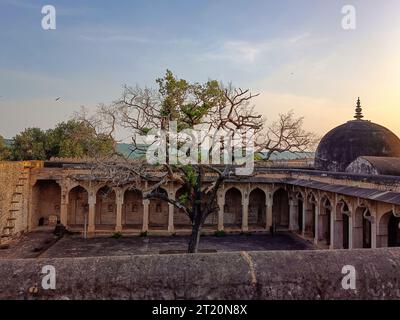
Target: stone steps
16, 205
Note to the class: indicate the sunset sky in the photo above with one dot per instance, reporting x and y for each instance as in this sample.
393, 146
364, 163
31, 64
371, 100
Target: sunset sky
294, 53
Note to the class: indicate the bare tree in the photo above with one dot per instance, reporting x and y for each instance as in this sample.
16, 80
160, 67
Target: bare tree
209, 107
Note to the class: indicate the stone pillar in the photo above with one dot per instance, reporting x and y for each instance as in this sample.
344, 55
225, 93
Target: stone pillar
92, 213
372, 219
221, 205
64, 207
146, 204
373, 233
269, 213
351, 223
293, 215
245, 213
171, 210
304, 217
307, 218
316, 223
120, 202
333, 241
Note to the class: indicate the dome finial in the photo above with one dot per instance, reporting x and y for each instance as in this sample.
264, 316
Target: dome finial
359, 114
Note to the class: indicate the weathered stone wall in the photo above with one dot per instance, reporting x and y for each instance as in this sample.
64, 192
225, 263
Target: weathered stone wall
241, 275
9, 177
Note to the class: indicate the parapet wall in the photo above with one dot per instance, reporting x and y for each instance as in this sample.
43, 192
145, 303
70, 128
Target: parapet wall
241, 275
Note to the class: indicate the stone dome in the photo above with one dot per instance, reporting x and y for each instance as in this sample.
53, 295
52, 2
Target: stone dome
344, 144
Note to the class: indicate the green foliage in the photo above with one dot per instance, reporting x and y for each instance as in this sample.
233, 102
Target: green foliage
188, 103
72, 139
258, 157
220, 233
75, 139
191, 175
4, 150
30, 144
184, 199
117, 235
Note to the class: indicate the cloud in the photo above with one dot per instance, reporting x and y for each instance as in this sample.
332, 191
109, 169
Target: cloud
249, 52
115, 38
21, 4
60, 10
235, 51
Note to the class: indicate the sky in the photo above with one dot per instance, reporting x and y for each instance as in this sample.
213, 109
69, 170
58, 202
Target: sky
294, 53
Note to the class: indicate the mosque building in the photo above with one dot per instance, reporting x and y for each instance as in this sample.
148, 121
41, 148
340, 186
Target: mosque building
349, 199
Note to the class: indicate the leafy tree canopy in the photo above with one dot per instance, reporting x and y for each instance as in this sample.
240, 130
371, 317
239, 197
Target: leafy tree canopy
4, 150
71, 139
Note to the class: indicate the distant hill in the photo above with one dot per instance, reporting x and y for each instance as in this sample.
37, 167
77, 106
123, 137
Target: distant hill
128, 151
287, 155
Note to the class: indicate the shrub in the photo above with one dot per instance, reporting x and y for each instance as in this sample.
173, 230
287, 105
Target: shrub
116, 235
220, 233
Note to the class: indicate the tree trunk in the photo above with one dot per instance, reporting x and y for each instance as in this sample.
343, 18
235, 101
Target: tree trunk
195, 238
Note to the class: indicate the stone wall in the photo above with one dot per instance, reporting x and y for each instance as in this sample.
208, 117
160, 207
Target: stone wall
239, 275
9, 177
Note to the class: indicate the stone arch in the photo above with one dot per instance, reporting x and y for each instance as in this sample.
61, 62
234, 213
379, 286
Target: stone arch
158, 212
362, 228
46, 203
311, 206
280, 209
106, 209
324, 220
181, 219
78, 206
233, 208
257, 208
389, 230
342, 225
132, 209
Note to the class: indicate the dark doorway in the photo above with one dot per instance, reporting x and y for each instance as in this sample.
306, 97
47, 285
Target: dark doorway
366, 233
41, 222
393, 232
300, 214
345, 231
280, 210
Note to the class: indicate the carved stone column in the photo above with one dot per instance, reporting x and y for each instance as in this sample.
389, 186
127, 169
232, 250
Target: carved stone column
92, 213
316, 222
146, 204
293, 215
269, 213
64, 207
245, 212
221, 205
171, 210
120, 202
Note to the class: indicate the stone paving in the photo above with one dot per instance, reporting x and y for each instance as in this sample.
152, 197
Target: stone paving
43, 245
30, 245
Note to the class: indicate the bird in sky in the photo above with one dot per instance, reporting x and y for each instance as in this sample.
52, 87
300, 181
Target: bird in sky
58, 99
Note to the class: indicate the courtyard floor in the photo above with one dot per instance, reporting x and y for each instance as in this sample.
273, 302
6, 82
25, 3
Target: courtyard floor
45, 245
